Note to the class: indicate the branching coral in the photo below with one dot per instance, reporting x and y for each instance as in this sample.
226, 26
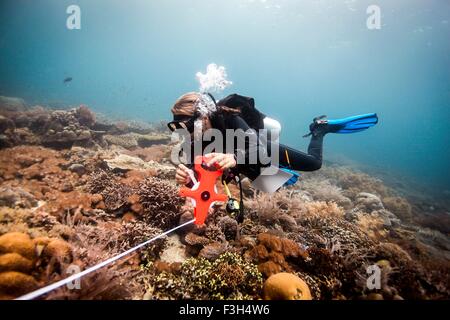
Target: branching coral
351, 181
268, 208
100, 180
161, 203
324, 190
137, 232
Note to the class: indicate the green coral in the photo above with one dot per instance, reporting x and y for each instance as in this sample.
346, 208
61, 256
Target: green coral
228, 277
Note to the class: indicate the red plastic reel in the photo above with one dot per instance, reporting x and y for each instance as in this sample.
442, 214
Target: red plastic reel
205, 194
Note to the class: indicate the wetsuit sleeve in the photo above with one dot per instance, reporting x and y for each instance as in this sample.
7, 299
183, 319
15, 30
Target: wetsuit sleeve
250, 152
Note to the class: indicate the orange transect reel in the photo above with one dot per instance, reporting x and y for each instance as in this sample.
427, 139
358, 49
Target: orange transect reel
205, 194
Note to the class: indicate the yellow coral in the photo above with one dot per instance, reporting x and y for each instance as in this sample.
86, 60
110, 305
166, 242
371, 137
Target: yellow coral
17, 242
323, 209
286, 286
15, 262
16, 283
373, 226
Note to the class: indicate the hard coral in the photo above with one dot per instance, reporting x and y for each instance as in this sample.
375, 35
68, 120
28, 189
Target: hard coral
15, 283
228, 277
324, 190
85, 116
272, 254
212, 251
16, 242
322, 209
286, 286
154, 153
400, 207
15, 262
137, 232
161, 203
16, 197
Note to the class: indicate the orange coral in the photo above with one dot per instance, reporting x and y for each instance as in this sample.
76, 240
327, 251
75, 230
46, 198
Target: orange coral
258, 253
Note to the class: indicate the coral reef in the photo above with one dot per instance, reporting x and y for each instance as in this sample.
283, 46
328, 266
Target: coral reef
77, 188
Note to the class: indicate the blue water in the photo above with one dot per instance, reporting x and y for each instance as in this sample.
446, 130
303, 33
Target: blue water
299, 59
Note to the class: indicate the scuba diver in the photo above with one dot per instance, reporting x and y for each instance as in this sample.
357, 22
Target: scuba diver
195, 113
195, 109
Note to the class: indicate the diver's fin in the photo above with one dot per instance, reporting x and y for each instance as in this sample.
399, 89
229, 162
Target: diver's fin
321, 126
352, 124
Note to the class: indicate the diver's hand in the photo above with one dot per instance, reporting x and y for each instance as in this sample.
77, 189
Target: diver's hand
182, 174
221, 161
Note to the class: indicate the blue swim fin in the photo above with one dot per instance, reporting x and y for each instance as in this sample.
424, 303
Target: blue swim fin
293, 179
322, 126
352, 124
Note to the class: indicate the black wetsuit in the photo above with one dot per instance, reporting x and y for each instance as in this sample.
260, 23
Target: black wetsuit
298, 160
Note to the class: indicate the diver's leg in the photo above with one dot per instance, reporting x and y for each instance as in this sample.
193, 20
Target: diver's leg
301, 161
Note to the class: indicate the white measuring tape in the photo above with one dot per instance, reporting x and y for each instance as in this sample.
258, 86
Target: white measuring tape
53, 286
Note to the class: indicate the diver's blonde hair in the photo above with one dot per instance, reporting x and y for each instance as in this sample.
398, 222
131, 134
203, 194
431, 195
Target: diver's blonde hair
186, 104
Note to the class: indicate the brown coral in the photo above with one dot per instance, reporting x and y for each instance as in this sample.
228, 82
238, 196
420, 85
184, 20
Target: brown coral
272, 253
212, 251
85, 116
399, 206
